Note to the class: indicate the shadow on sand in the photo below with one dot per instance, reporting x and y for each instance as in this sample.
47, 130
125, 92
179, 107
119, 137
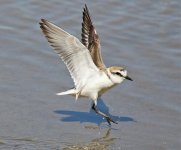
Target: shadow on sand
90, 117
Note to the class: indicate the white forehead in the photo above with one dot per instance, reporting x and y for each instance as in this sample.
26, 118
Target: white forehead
124, 73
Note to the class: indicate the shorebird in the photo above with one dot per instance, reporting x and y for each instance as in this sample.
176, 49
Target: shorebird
84, 61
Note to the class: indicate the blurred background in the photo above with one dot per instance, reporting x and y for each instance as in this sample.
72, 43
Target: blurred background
144, 36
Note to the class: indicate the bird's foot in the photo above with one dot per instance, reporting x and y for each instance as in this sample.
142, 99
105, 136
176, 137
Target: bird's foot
109, 120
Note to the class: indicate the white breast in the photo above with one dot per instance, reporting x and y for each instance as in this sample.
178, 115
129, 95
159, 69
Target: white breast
95, 85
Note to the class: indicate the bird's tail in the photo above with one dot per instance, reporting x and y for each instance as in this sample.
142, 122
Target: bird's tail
68, 92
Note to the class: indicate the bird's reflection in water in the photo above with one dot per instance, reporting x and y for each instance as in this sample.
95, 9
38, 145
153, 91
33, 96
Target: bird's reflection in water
101, 143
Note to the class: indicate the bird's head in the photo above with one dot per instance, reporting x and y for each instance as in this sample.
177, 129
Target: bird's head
118, 74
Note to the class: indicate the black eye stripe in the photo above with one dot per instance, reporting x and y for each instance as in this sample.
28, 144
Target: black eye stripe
118, 73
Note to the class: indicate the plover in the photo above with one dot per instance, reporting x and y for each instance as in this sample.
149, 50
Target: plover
84, 61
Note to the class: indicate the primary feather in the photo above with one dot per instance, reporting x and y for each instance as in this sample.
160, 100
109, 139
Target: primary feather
74, 54
91, 39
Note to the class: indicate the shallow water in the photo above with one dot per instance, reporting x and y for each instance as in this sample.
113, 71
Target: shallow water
143, 36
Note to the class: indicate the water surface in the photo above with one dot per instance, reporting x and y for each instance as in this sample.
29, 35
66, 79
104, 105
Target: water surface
143, 36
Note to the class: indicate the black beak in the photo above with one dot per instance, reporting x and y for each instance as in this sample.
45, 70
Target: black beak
128, 78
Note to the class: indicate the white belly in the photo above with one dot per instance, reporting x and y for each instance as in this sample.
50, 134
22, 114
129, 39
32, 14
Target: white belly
96, 86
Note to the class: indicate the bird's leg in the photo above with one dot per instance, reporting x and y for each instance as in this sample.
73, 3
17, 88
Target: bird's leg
109, 119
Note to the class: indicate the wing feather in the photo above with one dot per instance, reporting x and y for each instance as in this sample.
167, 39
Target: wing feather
91, 39
73, 53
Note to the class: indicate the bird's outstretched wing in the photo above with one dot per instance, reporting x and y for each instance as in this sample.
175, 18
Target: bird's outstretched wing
91, 39
73, 53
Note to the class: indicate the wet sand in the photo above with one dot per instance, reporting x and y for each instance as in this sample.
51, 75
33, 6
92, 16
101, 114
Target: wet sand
143, 36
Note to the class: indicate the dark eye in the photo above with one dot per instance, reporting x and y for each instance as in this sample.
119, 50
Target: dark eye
118, 74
